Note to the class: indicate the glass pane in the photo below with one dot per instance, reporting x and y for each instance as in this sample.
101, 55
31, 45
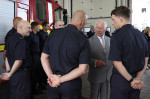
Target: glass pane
40, 10
22, 13
50, 13
57, 13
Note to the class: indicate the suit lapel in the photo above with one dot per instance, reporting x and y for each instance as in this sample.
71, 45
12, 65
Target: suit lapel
106, 44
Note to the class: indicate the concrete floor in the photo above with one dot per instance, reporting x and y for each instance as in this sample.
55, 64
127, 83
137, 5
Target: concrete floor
145, 93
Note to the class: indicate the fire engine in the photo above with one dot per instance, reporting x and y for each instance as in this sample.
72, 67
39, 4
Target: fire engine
38, 10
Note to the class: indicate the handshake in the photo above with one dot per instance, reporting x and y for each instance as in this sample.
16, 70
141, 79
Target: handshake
54, 80
137, 84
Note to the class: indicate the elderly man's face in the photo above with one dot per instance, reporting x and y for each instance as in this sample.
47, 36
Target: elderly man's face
26, 29
100, 29
59, 24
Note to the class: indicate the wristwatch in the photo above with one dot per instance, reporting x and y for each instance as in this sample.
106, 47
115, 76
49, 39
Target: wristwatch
130, 80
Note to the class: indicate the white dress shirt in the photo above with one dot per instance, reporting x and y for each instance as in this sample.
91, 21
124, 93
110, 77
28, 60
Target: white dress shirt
102, 40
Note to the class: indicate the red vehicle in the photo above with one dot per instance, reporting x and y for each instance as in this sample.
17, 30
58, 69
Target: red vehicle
30, 10
38, 10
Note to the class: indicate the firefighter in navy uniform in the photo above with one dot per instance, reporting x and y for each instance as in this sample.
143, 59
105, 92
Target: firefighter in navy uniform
129, 53
43, 34
11, 32
42, 38
36, 64
19, 61
14, 28
65, 58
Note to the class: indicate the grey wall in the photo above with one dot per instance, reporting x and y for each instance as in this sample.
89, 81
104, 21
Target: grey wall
94, 9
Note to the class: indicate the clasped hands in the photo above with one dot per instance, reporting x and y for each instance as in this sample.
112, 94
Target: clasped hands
54, 80
5, 76
137, 83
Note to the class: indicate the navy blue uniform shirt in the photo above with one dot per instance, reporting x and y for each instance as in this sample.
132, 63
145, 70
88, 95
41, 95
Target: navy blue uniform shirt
129, 46
35, 47
42, 38
28, 59
10, 32
67, 48
16, 49
83, 34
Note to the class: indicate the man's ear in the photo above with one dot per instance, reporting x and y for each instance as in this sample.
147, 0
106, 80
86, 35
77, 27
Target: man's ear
121, 19
82, 23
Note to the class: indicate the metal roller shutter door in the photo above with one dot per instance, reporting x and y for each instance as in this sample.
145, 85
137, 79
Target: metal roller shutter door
6, 22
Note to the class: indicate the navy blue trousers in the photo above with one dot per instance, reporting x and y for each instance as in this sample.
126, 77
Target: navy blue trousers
19, 86
121, 88
67, 90
35, 70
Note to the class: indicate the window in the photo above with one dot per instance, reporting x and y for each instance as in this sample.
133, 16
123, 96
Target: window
86, 29
50, 13
57, 13
40, 10
22, 13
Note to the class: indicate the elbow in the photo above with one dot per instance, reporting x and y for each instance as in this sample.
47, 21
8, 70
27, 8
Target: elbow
83, 68
117, 63
42, 58
83, 72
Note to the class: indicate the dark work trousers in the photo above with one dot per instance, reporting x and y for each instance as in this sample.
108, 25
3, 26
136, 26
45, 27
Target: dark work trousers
121, 88
67, 90
19, 86
43, 80
35, 70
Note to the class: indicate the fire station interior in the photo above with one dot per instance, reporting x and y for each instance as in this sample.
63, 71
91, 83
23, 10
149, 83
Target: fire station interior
51, 10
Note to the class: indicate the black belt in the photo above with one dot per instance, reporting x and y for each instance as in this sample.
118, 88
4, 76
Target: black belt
58, 73
24, 69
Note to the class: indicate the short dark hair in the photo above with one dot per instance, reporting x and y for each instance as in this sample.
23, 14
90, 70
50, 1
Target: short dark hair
122, 11
34, 24
44, 23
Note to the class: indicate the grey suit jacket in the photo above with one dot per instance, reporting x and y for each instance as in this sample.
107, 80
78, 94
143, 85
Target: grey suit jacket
99, 74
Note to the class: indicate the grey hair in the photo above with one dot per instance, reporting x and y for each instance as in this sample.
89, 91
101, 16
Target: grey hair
105, 24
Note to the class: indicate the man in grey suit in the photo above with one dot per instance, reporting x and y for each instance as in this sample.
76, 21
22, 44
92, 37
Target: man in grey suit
100, 68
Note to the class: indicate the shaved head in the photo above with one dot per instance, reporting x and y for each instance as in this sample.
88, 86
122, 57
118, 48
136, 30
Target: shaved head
24, 28
78, 15
16, 21
78, 19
